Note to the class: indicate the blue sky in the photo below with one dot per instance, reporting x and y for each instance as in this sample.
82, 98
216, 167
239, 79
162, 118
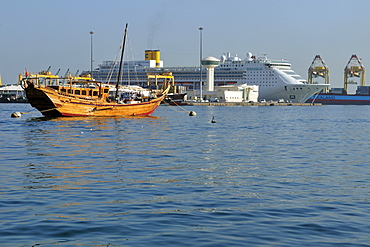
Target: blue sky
41, 33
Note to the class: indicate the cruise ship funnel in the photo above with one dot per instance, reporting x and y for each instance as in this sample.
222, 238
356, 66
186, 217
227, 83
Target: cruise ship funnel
153, 55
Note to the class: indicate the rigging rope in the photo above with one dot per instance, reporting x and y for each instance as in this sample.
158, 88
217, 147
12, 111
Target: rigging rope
33, 111
111, 70
316, 95
172, 107
135, 75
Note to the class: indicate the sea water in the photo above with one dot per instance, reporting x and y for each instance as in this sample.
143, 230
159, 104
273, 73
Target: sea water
259, 176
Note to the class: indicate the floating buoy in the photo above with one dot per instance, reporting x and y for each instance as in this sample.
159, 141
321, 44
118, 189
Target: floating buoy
192, 113
213, 120
16, 114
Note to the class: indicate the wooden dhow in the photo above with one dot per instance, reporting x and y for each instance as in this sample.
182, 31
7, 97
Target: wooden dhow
83, 96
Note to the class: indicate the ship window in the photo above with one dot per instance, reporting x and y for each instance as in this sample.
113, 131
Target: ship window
77, 92
95, 93
106, 90
83, 92
64, 90
69, 91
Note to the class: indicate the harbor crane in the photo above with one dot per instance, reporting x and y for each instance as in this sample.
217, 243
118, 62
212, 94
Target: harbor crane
354, 69
318, 70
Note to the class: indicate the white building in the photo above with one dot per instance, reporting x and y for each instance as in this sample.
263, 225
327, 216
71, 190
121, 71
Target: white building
237, 93
228, 93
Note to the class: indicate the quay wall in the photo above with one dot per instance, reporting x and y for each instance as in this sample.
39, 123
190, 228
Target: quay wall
248, 104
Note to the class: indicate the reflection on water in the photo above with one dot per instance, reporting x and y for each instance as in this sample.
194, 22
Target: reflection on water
76, 147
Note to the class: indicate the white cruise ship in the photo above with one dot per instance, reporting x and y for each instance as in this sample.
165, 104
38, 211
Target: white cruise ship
275, 78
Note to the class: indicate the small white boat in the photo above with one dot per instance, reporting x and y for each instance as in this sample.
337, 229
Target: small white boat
12, 94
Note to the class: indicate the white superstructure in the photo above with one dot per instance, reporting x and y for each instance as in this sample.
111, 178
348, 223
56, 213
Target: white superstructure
275, 78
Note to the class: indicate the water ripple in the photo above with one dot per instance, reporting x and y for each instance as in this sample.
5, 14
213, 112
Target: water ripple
260, 176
